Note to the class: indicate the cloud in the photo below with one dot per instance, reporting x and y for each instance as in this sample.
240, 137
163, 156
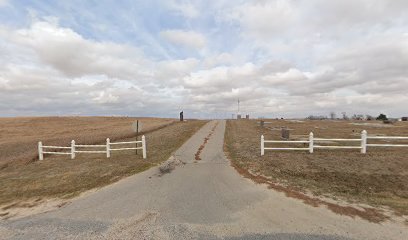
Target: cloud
50, 70
70, 53
175, 69
264, 19
280, 58
186, 9
188, 39
219, 59
105, 97
3, 3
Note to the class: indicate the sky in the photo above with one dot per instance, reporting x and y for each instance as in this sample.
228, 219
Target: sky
155, 58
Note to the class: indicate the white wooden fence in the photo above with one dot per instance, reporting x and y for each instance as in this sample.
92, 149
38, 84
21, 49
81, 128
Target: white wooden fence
362, 143
105, 148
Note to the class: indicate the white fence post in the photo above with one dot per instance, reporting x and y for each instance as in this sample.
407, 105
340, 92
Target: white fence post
262, 145
40, 151
311, 143
144, 146
73, 149
107, 148
364, 141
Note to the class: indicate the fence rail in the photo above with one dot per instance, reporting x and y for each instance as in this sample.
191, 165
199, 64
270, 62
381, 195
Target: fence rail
335, 140
387, 145
311, 143
106, 148
387, 137
56, 147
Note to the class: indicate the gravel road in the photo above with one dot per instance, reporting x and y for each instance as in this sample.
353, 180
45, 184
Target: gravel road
200, 199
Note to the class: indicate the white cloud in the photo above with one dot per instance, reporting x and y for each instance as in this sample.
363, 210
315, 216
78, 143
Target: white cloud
264, 19
189, 39
75, 56
47, 69
219, 59
186, 9
281, 58
175, 69
105, 97
3, 3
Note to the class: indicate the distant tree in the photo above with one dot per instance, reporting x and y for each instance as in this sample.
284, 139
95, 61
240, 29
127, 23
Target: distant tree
313, 117
382, 117
345, 116
332, 115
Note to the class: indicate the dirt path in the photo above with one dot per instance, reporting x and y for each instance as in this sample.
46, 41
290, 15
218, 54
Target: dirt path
200, 199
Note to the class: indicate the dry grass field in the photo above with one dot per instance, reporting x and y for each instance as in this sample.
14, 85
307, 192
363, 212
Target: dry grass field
379, 177
19, 136
27, 185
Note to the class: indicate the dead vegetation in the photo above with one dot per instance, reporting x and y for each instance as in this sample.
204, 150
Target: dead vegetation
19, 136
61, 177
169, 165
197, 156
379, 177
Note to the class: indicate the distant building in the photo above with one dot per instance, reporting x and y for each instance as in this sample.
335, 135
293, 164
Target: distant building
239, 116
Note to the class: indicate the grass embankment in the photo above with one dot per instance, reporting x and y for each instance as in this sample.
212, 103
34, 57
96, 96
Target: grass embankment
61, 177
379, 177
19, 136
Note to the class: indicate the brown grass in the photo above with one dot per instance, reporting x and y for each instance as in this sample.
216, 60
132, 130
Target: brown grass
370, 214
200, 149
61, 177
379, 177
19, 136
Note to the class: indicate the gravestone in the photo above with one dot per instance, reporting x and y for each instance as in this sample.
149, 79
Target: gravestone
181, 116
285, 133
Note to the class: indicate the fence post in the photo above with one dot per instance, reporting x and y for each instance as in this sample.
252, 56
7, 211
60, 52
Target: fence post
364, 141
73, 149
40, 151
262, 145
144, 146
107, 148
311, 143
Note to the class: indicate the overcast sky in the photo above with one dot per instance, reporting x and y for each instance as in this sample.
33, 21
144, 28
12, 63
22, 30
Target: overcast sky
155, 58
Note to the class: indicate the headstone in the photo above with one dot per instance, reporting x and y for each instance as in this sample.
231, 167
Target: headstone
285, 133
247, 116
181, 116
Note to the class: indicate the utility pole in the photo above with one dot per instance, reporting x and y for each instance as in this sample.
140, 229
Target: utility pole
238, 105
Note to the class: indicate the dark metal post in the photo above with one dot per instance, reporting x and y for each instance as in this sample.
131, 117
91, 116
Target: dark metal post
137, 133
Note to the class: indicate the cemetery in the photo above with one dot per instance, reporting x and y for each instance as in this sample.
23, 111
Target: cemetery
335, 165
